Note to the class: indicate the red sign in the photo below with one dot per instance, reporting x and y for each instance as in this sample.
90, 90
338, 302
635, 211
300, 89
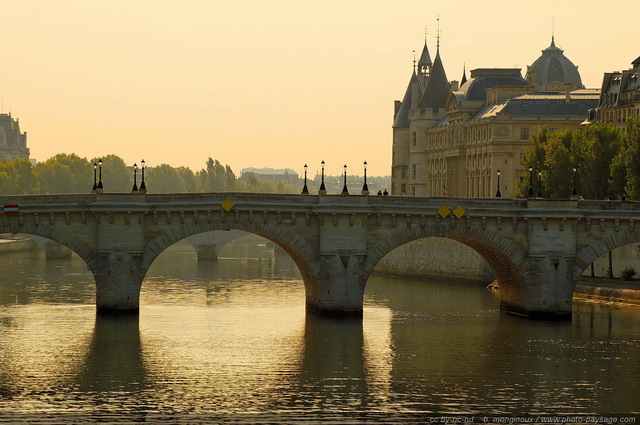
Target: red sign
11, 209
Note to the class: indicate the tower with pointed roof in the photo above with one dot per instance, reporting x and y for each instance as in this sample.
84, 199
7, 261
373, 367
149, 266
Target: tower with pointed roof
422, 106
450, 140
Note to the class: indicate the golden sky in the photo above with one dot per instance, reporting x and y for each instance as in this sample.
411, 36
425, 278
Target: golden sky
270, 83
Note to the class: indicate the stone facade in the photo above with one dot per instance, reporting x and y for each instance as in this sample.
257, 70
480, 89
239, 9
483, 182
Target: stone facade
452, 141
13, 143
620, 96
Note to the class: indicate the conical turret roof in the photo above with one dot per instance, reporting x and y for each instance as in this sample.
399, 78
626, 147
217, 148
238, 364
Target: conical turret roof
402, 117
425, 57
437, 89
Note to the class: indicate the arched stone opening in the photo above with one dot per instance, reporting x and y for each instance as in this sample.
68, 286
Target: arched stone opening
64, 238
300, 251
505, 258
588, 255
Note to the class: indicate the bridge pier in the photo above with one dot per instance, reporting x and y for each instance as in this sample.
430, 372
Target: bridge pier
337, 288
544, 289
118, 282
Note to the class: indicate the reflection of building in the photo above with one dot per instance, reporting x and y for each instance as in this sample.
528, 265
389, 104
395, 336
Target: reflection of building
620, 96
450, 140
13, 144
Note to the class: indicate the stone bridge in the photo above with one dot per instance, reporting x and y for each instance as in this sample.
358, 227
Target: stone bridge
537, 248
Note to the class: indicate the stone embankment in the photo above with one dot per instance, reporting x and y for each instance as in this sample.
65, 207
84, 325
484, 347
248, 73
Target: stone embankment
445, 259
609, 290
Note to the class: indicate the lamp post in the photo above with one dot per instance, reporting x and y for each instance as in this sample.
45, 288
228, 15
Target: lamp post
498, 194
323, 190
143, 187
95, 182
135, 176
345, 191
365, 188
530, 193
539, 194
100, 186
305, 191
574, 190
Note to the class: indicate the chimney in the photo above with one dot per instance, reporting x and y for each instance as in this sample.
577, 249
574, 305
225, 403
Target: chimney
567, 89
396, 108
454, 85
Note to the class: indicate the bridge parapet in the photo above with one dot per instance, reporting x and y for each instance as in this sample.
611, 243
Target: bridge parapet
538, 248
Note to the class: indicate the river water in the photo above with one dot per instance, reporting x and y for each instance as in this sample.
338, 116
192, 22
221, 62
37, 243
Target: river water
230, 342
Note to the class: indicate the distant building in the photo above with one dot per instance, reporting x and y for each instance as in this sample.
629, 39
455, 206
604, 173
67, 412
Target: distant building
13, 143
451, 141
620, 96
286, 176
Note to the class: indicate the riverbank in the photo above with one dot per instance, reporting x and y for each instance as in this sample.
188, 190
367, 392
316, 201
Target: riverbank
608, 290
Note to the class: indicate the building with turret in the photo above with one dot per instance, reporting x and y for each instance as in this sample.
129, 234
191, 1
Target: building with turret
455, 139
13, 143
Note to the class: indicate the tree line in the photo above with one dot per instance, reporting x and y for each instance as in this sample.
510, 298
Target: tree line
69, 173
606, 161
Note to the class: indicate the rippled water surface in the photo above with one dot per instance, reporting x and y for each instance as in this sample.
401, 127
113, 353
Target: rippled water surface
230, 341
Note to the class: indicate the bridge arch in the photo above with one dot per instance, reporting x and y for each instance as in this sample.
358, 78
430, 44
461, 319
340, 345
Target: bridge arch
505, 258
591, 253
300, 250
65, 238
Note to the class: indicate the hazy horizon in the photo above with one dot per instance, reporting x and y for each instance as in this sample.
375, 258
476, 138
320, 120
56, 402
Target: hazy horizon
275, 84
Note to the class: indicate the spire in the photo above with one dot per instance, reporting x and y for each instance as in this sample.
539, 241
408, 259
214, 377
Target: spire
553, 32
438, 36
464, 74
425, 63
437, 89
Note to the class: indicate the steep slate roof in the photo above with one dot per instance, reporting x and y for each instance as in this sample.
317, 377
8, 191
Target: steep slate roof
542, 104
425, 58
437, 89
402, 117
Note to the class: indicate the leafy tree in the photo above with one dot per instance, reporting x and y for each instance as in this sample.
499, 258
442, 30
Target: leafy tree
190, 182
631, 157
165, 179
64, 173
595, 148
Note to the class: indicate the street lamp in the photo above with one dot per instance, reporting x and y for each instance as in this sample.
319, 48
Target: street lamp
95, 184
135, 176
498, 194
345, 191
365, 188
143, 187
530, 193
305, 191
574, 190
323, 190
539, 194
100, 187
